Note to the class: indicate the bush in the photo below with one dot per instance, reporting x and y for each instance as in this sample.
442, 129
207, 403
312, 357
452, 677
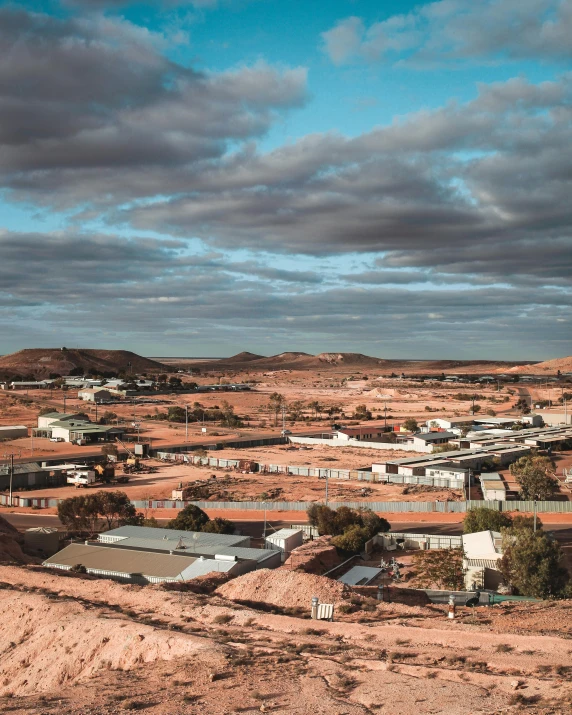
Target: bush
483, 519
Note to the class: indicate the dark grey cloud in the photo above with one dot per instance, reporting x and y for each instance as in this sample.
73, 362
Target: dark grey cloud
159, 293
90, 103
457, 30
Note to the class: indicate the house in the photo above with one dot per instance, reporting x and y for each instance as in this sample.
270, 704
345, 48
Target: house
482, 555
360, 433
95, 394
31, 385
137, 554
75, 428
423, 440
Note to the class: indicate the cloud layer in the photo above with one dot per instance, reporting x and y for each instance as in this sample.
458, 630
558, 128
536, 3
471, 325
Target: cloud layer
447, 229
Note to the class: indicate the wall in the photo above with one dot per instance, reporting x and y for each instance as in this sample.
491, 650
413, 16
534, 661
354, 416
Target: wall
13, 432
358, 443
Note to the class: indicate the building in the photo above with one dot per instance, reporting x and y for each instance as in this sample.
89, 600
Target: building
492, 486
30, 385
28, 474
360, 433
95, 394
75, 428
482, 555
422, 440
13, 431
285, 541
147, 555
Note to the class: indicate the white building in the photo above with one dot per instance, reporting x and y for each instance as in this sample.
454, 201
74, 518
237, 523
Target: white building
284, 540
483, 552
95, 394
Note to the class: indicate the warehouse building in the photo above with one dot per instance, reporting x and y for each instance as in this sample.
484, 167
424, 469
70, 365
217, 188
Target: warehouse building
137, 554
28, 474
95, 394
77, 428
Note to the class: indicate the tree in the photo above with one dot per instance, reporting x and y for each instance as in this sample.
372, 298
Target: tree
352, 540
439, 567
116, 509
532, 563
45, 411
93, 512
483, 519
476, 408
109, 449
108, 417
162, 379
275, 403
526, 522
491, 412
362, 413
316, 408
175, 381
219, 526
411, 425
191, 518
79, 513
176, 414
535, 475
337, 522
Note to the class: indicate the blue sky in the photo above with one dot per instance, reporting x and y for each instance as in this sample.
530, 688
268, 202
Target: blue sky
204, 178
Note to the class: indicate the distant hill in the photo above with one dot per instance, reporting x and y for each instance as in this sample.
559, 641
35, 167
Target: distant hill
563, 364
41, 362
341, 361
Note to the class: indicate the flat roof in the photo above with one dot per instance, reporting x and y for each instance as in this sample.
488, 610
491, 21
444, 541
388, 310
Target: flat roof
284, 533
359, 576
432, 436
164, 535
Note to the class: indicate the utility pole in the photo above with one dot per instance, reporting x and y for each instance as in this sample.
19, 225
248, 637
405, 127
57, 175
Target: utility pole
96, 410
64, 403
535, 515
186, 423
10, 473
327, 473
385, 414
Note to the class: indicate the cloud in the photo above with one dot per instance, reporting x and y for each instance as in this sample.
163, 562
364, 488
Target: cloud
147, 292
85, 100
458, 30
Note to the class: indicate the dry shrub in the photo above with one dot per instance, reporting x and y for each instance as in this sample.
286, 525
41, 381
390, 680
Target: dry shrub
223, 618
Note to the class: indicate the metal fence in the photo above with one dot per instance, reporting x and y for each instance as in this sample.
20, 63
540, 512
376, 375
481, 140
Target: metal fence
320, 472
388, 507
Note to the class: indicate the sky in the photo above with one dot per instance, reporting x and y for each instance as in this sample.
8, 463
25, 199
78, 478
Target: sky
201, 178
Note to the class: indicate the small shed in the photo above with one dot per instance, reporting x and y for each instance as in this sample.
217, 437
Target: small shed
284, 540
13, 431
45, 539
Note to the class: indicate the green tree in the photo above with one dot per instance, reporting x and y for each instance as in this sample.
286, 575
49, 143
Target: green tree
442, 568
476, 408
362, 413
107, 417
115, 508
535, 475
79, 513
45, 411
219, 526
411, 425
191, 518
275, 403
532, 564
483, 519
526, 522
352, 540
176, 414
337, 522
175, 381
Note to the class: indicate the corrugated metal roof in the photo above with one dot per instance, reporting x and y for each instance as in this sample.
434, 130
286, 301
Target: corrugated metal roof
26, 468
155, 534
283, 533
122, 561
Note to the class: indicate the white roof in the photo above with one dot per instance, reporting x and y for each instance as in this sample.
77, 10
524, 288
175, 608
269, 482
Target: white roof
284, 533
481, 544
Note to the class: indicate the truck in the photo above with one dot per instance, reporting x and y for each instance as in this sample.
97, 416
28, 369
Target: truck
81, 478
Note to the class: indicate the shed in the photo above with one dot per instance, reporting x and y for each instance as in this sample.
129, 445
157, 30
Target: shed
284, 540
13, 431
45, 539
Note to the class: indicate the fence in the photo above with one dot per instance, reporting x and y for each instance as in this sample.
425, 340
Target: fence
320, 472
388, 507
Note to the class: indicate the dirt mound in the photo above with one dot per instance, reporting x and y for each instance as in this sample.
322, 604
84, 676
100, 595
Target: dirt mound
284, 589
41, 362
11, 531
314, 556
10, 541
349, 359
563, 364
56, 643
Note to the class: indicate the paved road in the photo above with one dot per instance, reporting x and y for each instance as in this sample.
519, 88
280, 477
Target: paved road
563, 532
